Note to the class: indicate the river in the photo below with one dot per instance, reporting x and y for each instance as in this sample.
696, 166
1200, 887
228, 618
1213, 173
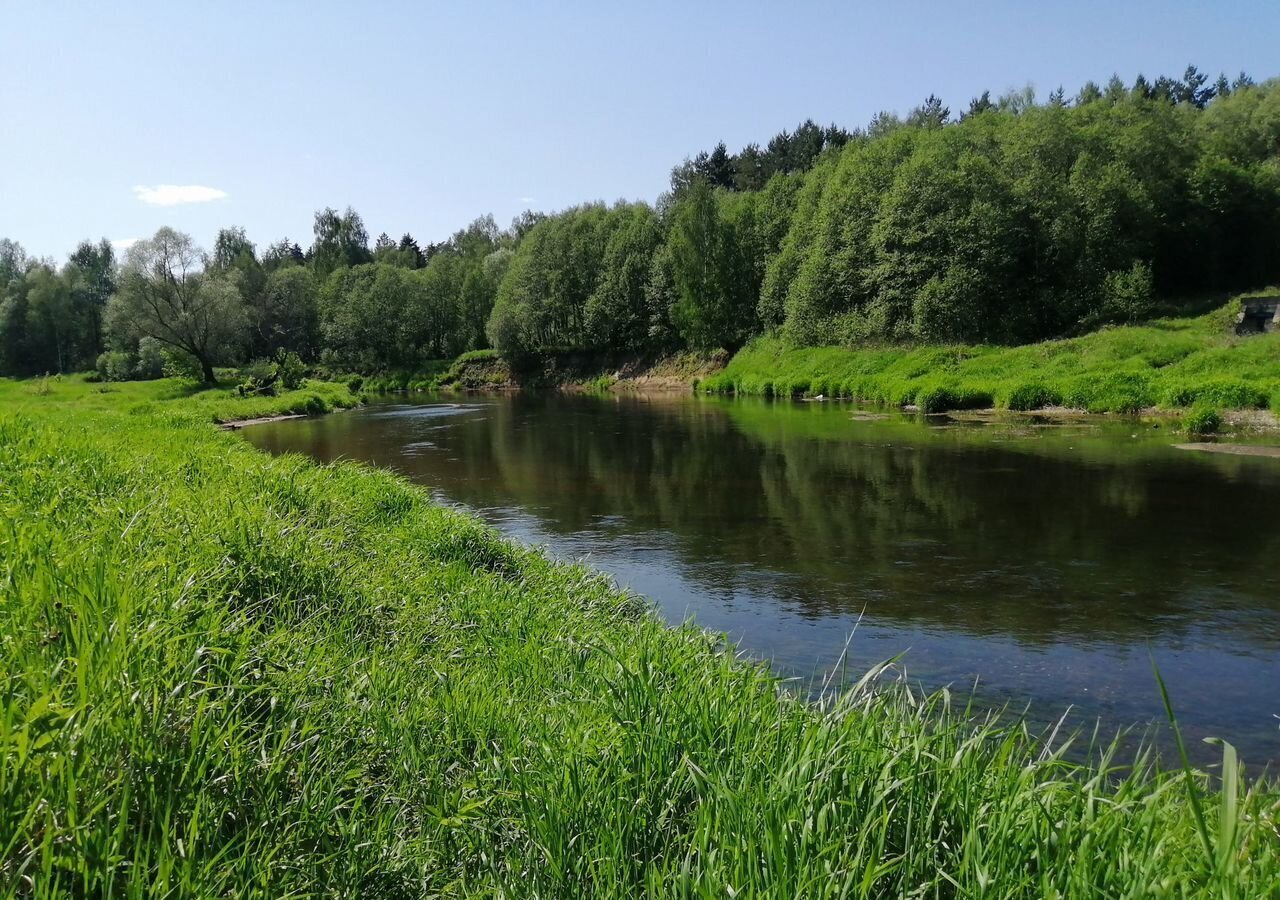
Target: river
1040, 563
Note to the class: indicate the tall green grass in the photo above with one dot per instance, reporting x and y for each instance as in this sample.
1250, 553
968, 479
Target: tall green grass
1171, 363
227, 674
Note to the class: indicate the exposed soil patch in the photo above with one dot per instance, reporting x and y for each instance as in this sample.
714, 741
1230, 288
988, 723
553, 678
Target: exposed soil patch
1233, 449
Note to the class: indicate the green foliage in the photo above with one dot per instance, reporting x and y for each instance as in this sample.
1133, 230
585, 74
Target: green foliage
1013, 223
477, 369
50, 320
164, 294
290, 370
577, 281
149, 362
1031, 395
300, 680
615, 314
115, 365
424, 378
939, 398
754, 167
341, 240
151, 359
714, 279
1228, 393
1128, 297
1202, 419
1172, 362
267, 378
1028, 222
314, 404
286, 314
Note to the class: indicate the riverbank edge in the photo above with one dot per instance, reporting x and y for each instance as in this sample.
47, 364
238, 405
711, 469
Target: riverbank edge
640, 378
1197, 368
1014, 752
1192, 368
485, 371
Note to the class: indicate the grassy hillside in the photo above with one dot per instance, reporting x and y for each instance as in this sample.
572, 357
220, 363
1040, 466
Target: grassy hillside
227, 674
1170, 363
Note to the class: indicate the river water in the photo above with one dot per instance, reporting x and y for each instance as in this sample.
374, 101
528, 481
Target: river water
1045, 562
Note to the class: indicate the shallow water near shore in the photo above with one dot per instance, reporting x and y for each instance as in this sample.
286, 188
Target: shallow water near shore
1046, 560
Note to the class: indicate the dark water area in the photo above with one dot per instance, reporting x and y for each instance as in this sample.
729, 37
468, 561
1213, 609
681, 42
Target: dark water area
1045, 561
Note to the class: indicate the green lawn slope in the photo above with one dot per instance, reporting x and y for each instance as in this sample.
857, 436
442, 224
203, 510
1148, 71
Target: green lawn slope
1169, 363
232, 675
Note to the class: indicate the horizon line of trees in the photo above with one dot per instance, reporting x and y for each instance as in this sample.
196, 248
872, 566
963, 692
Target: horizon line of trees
1014, 221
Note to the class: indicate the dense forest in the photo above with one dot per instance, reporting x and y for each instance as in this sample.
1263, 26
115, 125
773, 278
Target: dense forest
1012, 221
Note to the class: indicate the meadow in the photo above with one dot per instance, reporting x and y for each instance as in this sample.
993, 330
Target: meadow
232, 674
1172, 364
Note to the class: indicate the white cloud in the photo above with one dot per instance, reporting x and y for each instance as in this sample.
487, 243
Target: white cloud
123, 244
527, 200
176, 194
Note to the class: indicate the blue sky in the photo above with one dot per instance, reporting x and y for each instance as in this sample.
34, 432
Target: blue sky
423, 116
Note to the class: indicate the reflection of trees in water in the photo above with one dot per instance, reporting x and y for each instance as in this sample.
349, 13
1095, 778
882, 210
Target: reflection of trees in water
1042, 538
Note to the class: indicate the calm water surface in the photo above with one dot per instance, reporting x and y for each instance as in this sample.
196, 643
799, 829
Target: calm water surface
1043, 561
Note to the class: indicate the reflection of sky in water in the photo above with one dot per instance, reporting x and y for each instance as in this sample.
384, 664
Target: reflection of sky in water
421, 412
1061, 612
1110, 683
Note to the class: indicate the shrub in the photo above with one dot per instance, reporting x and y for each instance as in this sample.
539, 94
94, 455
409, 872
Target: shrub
354, 383
1125, 392
182, 365
290, 370
314, 405
255, 387
1032, 395
933, 399
1129, 296
936, 399
151, 359
115, 365
1229, 393
1203, 419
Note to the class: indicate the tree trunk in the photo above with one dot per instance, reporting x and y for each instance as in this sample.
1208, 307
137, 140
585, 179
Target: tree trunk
206, 370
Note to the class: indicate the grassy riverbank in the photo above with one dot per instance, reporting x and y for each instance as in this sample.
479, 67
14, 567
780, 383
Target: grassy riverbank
227, 674
1170, 363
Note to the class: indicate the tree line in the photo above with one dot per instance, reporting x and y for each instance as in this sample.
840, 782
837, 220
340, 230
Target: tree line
1014, 221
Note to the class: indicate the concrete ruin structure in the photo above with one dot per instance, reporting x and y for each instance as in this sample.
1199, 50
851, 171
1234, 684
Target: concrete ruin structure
1259, 314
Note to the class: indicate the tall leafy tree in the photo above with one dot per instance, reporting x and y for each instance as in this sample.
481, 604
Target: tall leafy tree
91, 274
229, 248
715, 305
281, 254
411, 255
54, 327
165, 294
340, 240
286, 315
235, 257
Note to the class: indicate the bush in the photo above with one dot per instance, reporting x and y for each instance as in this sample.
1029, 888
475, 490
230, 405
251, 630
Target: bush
1129, 296
1203, 419
1124, 392
1229, 393
1033, 395
253, 386
290, 370
354, 383
178, 364
936, 399
151, 358
115, 365
314, 405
